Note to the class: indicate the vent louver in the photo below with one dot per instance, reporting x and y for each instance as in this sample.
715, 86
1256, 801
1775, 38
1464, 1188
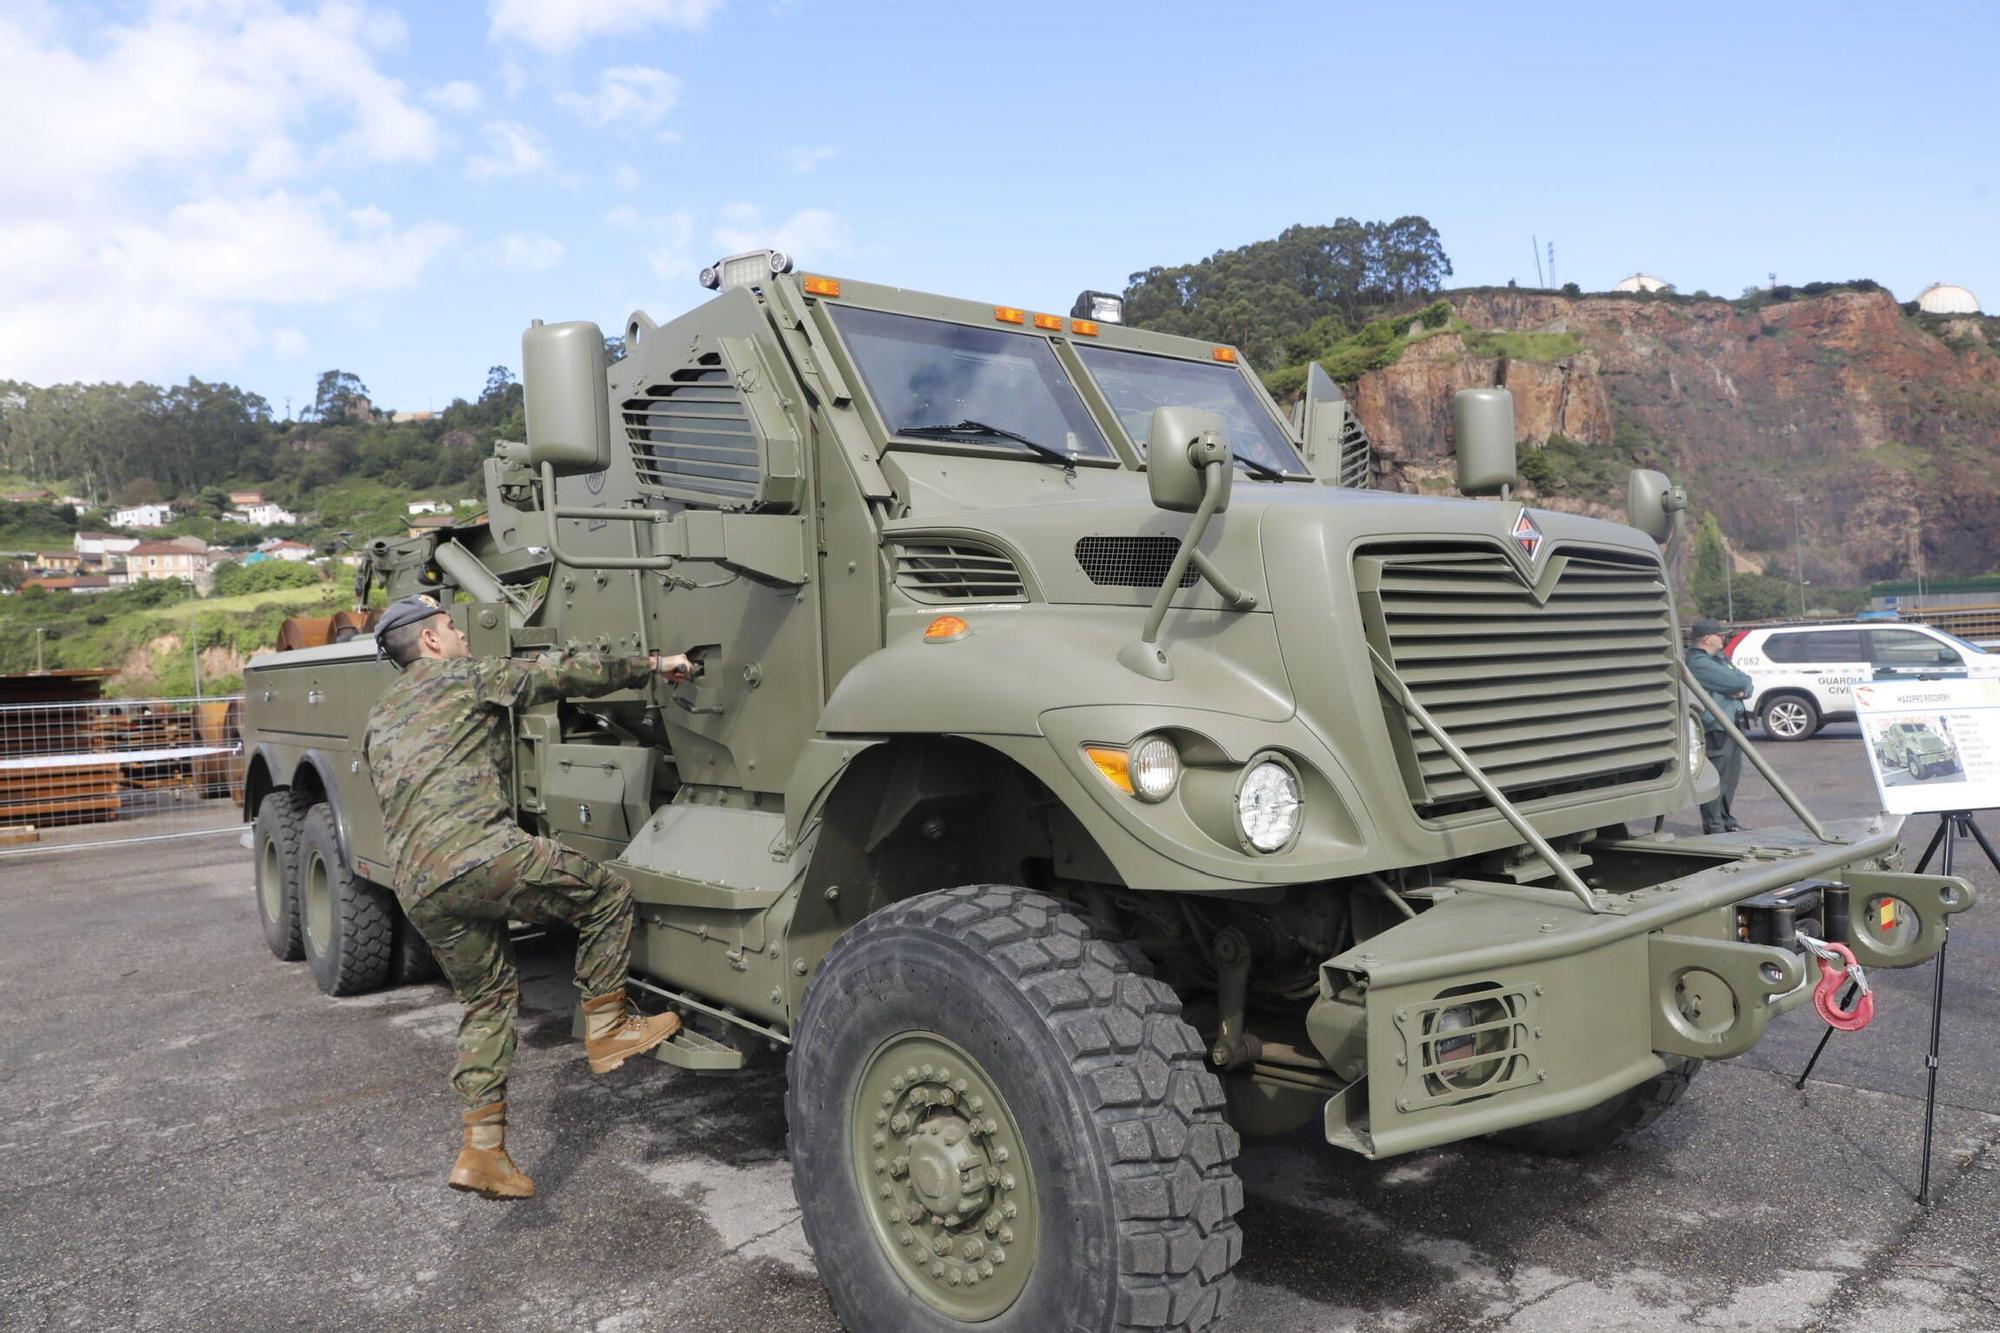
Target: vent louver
957, 571
1355, 451
1131, 562
693, 434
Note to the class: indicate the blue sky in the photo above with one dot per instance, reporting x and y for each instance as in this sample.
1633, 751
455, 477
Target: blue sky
254, 191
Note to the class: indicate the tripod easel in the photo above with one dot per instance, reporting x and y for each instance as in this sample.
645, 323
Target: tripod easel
1952, 825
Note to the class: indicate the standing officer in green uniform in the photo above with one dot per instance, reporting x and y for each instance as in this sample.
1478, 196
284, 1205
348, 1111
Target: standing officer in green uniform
1728, 687
439, 746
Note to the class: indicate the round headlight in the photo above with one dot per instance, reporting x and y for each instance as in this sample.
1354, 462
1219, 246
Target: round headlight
1156, 767
1268, 806
1697, 745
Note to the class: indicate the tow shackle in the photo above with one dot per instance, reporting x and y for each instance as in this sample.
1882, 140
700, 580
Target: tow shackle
1826, 994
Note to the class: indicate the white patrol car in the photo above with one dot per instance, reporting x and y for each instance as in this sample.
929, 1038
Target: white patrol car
1804, 675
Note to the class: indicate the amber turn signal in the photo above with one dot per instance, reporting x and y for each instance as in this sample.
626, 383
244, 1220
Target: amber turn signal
945, 628
1007, 314
1114, 763
1050, 322
1224, 354
1086, 328
822, 286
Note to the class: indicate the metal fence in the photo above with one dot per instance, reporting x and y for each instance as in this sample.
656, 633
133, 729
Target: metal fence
115, 770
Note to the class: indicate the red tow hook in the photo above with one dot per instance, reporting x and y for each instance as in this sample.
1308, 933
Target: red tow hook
1826, 995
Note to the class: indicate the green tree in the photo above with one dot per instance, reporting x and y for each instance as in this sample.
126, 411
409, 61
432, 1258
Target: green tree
1259, 296
1710, 584
337, 393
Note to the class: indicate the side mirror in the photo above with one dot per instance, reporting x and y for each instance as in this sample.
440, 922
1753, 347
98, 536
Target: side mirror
1482, 427
1180, 443
1652, 501
566, 399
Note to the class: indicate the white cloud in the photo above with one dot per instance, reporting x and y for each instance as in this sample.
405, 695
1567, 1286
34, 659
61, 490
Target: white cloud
132, 297
627, 178
165, 204
556, 27
811, 235
665, 241
519, 252
512, 149
234, 87
458, 95
628, 95
803, 158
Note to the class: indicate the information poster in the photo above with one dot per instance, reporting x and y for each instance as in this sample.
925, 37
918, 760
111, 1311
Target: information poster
1934, 744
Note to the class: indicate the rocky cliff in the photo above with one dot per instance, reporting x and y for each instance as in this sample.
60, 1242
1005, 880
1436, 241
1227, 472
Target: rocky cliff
1887, 425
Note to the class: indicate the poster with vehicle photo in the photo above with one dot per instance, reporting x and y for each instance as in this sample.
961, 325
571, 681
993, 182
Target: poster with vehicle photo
1934, 745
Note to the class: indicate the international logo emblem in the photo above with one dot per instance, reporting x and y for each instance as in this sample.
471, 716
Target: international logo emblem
1527, 536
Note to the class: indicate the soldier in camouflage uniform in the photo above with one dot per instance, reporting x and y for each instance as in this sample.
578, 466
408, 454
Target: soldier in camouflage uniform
438, 747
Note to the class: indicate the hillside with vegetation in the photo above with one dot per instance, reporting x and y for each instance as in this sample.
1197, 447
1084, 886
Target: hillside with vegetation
1822, 426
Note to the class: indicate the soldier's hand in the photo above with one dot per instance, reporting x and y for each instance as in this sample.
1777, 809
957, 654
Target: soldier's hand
673, 667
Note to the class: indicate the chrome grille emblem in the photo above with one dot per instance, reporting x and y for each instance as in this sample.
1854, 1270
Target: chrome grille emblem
1527, 536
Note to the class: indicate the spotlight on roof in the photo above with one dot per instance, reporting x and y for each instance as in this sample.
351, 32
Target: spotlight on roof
748, 269
1104, 307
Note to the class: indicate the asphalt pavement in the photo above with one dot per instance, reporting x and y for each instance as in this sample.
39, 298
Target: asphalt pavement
192, 1137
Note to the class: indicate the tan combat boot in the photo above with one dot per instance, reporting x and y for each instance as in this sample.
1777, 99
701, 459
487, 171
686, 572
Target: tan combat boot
483, 1166
613, 1033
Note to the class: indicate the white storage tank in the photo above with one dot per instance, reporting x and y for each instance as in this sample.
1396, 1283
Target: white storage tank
1944, 298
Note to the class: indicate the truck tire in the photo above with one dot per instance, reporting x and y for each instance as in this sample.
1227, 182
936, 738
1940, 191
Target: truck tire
348, 926
411, 961
1611, 1121
991, 1052
276, 837
1788, 717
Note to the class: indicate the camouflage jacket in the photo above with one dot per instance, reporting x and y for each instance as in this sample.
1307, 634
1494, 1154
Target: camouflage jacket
439, 748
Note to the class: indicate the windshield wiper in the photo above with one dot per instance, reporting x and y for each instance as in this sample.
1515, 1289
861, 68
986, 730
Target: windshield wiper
1260, 470
971, 427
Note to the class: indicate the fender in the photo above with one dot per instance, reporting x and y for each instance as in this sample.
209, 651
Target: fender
322, 767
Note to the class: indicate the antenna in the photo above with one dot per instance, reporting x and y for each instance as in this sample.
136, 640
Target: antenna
1552, 263
1535, 244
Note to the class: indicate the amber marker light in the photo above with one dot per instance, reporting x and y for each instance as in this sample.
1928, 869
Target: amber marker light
1224, 354
1114, 763
945, 629
1053, 323
1007, 314
1085, 328
822, 286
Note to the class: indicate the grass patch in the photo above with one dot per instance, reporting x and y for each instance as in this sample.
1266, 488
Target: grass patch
1542, 348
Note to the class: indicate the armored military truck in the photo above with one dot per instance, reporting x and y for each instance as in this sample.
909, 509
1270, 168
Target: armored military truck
1917, 748
1086, 767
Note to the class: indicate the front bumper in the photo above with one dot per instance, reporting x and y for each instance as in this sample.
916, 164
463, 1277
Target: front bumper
1555, 1008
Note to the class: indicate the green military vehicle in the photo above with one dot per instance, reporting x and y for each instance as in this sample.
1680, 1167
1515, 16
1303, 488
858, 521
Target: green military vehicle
1085, 767
1916, 748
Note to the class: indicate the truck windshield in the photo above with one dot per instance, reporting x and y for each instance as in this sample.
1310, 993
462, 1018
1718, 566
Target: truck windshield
967, 385
1136, 383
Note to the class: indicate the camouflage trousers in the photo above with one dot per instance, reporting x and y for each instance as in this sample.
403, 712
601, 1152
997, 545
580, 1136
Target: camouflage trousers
465, 922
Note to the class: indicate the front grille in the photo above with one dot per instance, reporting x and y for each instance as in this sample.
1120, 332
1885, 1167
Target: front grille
957, 571
1131, 562
1546, 697
692, 435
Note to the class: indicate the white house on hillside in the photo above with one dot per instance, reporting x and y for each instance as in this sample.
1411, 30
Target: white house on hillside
102, 544
143, 516
262, 514
429, 507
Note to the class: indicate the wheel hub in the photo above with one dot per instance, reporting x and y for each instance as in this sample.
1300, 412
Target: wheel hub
947, 1183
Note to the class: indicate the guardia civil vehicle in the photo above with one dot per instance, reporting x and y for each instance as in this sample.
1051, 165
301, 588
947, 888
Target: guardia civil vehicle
1085, 767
